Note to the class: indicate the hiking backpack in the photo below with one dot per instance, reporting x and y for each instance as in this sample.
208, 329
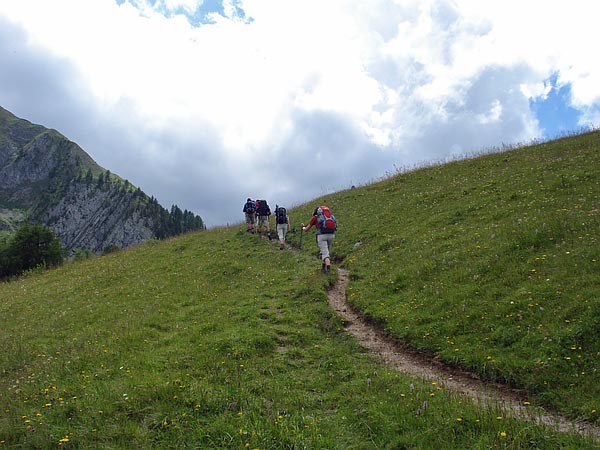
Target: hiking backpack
250, 207
326, 220
280, 215
263, 208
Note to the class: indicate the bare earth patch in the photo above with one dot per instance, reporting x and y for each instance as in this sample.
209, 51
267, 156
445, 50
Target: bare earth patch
393, 355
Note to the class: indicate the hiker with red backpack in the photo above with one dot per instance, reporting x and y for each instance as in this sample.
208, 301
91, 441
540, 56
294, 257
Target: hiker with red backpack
326, 224
263, 211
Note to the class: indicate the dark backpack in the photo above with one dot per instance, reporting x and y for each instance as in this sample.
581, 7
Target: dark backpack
326, 220
280, 215
250, 207
263, 208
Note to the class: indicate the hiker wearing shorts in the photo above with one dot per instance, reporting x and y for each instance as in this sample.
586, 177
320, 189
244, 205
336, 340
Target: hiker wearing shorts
326, 225
250, 212
282, 222
263, 211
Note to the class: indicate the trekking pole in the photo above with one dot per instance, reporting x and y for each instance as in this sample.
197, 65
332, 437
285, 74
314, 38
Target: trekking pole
300, 246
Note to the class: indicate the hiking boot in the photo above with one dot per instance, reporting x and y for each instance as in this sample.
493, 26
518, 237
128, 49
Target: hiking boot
323, 268
281, 246
328, 269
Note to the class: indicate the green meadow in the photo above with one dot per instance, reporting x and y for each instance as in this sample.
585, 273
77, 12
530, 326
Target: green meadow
217, 339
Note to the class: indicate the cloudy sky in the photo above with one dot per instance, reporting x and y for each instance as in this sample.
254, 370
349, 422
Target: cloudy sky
203, 103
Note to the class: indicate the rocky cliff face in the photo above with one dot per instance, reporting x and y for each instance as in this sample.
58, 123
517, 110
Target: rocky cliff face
47, 179
87, 217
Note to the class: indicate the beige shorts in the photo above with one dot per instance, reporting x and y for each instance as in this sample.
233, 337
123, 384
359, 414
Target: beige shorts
263, 221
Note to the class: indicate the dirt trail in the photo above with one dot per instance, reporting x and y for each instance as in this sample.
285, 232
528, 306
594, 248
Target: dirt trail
393, 355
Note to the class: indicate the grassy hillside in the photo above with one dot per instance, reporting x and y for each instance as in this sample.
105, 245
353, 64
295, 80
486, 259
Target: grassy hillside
491, 264
219, 340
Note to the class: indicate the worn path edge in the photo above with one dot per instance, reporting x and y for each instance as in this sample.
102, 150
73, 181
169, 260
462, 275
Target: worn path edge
392, 354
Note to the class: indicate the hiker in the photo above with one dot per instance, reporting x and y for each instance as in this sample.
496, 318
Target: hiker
263, 212
250, 211
326, 225
282, 223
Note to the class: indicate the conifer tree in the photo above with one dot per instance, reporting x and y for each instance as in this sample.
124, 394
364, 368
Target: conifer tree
31, 246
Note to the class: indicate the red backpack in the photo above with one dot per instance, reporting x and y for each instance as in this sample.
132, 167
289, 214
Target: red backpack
326, 220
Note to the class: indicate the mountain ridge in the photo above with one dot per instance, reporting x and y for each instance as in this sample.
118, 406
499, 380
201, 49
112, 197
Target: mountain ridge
47, 179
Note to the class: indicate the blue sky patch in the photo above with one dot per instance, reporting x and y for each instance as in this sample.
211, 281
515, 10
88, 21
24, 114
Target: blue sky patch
201, 15
554, 113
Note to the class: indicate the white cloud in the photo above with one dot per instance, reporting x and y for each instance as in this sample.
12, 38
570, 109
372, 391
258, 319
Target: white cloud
189, 6
396, 82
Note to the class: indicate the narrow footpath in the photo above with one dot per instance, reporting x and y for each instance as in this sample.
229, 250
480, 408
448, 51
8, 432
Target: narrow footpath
393, 355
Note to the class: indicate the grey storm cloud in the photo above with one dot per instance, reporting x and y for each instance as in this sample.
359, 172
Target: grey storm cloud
327, 150
487, 111
36, 84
